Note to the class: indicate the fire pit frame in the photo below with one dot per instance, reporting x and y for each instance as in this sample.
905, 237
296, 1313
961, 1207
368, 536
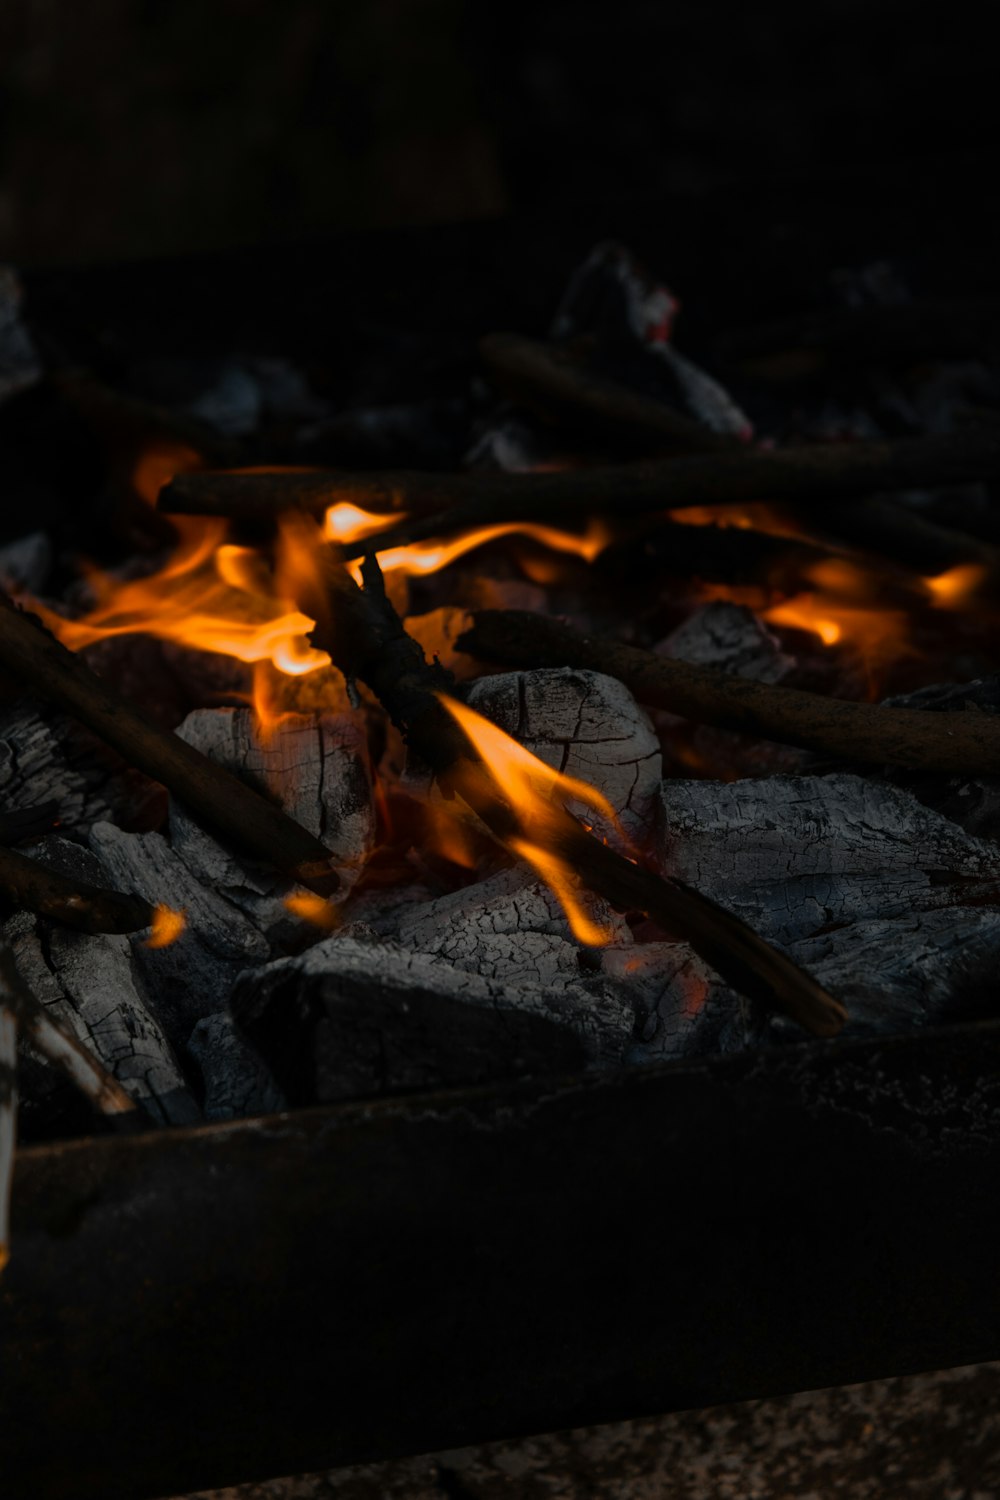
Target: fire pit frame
337, 1285
202, 1306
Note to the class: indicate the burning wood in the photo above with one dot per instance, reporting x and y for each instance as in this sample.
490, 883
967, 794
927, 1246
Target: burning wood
848, 730
644, 919
224, 802
439, 504
368, 641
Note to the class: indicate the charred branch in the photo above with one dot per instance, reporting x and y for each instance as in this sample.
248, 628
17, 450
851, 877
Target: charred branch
967, 743
367, 639
214, 795
806, 477
33, 886
556, 384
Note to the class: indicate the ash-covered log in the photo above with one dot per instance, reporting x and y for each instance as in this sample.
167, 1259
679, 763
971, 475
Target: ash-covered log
90, 987
967, 743
357, 1016
220, 799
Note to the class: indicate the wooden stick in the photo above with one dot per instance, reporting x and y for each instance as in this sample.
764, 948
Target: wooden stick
366, 638
59, 1045
554, 383
965, 743
219, 799
8, 1123
33, 886
806, 477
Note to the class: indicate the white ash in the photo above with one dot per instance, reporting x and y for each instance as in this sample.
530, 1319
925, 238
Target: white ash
25, 564
508, 928
20, 366
89, 983
583, 724
792, 855
235, 1081
318, 772
187, 979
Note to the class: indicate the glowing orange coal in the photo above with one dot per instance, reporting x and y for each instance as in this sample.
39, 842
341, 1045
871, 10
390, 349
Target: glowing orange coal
166, 927
956, 588
533, 790
312, 908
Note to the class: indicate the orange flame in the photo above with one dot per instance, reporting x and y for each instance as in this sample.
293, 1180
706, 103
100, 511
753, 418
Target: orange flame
166, 926
532, 789
312, 908
421, 558
955, 588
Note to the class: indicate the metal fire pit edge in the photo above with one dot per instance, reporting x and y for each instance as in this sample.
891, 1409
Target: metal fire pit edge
337, 1285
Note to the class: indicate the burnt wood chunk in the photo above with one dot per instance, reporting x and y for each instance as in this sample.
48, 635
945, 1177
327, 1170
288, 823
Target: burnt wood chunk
585, 725
796, 854
315, 768
235, 1081
355, 1017
189, 978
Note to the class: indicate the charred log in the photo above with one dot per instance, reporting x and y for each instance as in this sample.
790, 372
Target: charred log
807, 477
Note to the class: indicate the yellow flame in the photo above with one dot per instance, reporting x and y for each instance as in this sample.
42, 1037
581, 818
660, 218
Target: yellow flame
346, 523
312, 908
166, 926
421, 558
559, 878
531, 789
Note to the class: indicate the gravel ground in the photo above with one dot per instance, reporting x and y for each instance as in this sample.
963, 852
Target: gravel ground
922, 1437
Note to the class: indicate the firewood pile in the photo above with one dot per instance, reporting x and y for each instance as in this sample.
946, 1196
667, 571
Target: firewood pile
611, 709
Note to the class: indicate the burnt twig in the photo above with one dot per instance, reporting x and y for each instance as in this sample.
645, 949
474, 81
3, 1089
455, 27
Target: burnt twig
33, 886
218, 798
967, 743
805, 477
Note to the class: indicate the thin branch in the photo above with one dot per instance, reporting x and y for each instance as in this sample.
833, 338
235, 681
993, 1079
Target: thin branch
967, 743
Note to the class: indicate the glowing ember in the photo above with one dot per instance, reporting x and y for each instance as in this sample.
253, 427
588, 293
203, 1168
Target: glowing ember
955, 589
312, 908
166, 927
532, 789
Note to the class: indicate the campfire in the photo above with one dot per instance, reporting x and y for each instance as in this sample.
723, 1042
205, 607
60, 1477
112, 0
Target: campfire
663, 726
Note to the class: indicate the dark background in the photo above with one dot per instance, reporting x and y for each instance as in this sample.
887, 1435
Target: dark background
130, 127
